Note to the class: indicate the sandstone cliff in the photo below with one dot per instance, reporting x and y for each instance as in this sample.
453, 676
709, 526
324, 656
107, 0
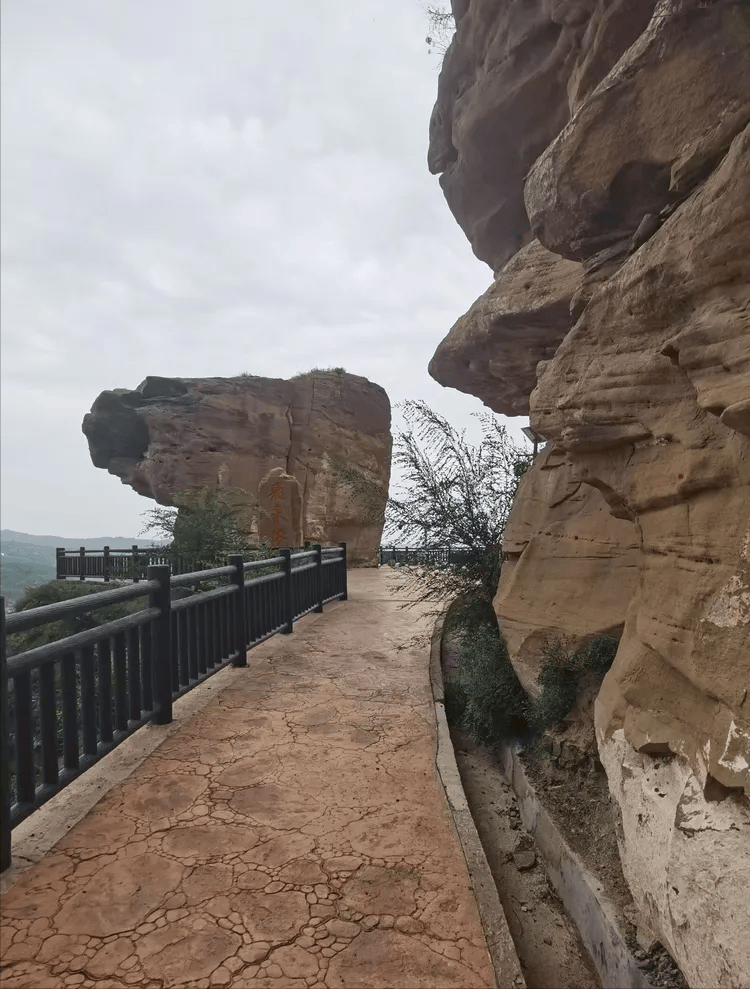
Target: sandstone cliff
603, 149
228, 434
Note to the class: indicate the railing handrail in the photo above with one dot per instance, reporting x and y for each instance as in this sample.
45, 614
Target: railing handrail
256, 564
33, 659
22, 621
134, 667
197, 576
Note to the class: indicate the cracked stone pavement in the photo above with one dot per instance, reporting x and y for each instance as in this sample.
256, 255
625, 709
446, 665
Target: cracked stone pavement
292, 834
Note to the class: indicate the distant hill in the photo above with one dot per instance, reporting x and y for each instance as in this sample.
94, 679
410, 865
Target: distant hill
114, 542
29, 561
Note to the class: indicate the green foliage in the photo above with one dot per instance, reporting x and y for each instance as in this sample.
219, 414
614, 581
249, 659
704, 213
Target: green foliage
321, 370
485, 697
455, 494
64, 590
203, 528
493, 705
561, 673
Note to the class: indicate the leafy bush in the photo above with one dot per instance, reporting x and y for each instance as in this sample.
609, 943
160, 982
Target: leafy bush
202, 528
321, 370
561, 673
485, 691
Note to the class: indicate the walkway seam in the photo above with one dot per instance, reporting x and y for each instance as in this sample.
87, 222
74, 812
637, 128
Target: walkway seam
505, 962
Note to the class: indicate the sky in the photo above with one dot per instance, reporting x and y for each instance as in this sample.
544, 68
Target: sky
209, 187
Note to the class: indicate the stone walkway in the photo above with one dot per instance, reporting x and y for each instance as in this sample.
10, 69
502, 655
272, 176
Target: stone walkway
292, 834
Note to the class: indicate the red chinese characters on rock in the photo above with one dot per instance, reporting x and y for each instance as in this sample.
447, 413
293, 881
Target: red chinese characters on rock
280, 502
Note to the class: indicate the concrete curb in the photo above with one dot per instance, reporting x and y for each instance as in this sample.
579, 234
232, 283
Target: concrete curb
500, 945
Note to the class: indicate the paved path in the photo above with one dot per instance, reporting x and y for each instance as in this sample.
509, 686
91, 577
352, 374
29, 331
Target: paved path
294, 833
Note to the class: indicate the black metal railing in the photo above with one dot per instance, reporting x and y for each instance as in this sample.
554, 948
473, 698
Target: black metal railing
67, 703
434, 555
117, 564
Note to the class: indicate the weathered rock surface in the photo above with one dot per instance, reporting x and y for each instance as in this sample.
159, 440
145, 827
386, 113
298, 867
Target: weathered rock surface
493, 350
506, 89
227, 434
646, 404
562, 528
655, 126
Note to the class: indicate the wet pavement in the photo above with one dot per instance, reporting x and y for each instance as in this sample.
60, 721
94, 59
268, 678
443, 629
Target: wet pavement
293, 833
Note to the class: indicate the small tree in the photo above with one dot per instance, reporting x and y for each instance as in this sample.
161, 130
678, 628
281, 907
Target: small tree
202, 528
441, 26
454, 494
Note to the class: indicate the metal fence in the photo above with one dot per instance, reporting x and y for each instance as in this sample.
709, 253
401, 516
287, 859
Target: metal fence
117, 564
433, 555
70, 702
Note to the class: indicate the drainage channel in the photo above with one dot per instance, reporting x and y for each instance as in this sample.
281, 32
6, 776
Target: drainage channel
546, 940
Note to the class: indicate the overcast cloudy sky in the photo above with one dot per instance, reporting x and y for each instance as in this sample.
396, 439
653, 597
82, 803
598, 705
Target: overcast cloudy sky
206, 187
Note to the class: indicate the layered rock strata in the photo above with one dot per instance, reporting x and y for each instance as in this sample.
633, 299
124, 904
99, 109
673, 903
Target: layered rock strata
226, 434
633, 166
562, 528
493, 350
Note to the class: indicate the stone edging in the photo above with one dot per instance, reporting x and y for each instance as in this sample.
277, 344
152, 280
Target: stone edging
496, 932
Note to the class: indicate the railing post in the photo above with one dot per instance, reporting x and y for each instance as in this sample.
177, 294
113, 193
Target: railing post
238, 579
4, 748
82, 563
286, 590
162, 646
345, 594
106, 563
134, 551
59, 563
318, 577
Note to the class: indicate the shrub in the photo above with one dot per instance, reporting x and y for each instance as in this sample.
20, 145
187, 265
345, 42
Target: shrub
202, 528
321, 370
494, 707
560, 676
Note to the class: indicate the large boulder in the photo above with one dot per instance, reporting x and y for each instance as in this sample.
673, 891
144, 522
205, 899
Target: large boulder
226, 434
656, 125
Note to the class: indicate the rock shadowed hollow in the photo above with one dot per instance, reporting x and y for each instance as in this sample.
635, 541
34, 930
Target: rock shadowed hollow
654, 127
226, 434
637, 514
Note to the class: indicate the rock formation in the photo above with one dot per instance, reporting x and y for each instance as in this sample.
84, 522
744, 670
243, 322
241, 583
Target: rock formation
616, 135
228, 434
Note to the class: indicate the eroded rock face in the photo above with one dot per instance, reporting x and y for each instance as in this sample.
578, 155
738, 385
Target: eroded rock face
508, 82
654, 127
562, 528
493, 350
227, 434
646, 406
617, 398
